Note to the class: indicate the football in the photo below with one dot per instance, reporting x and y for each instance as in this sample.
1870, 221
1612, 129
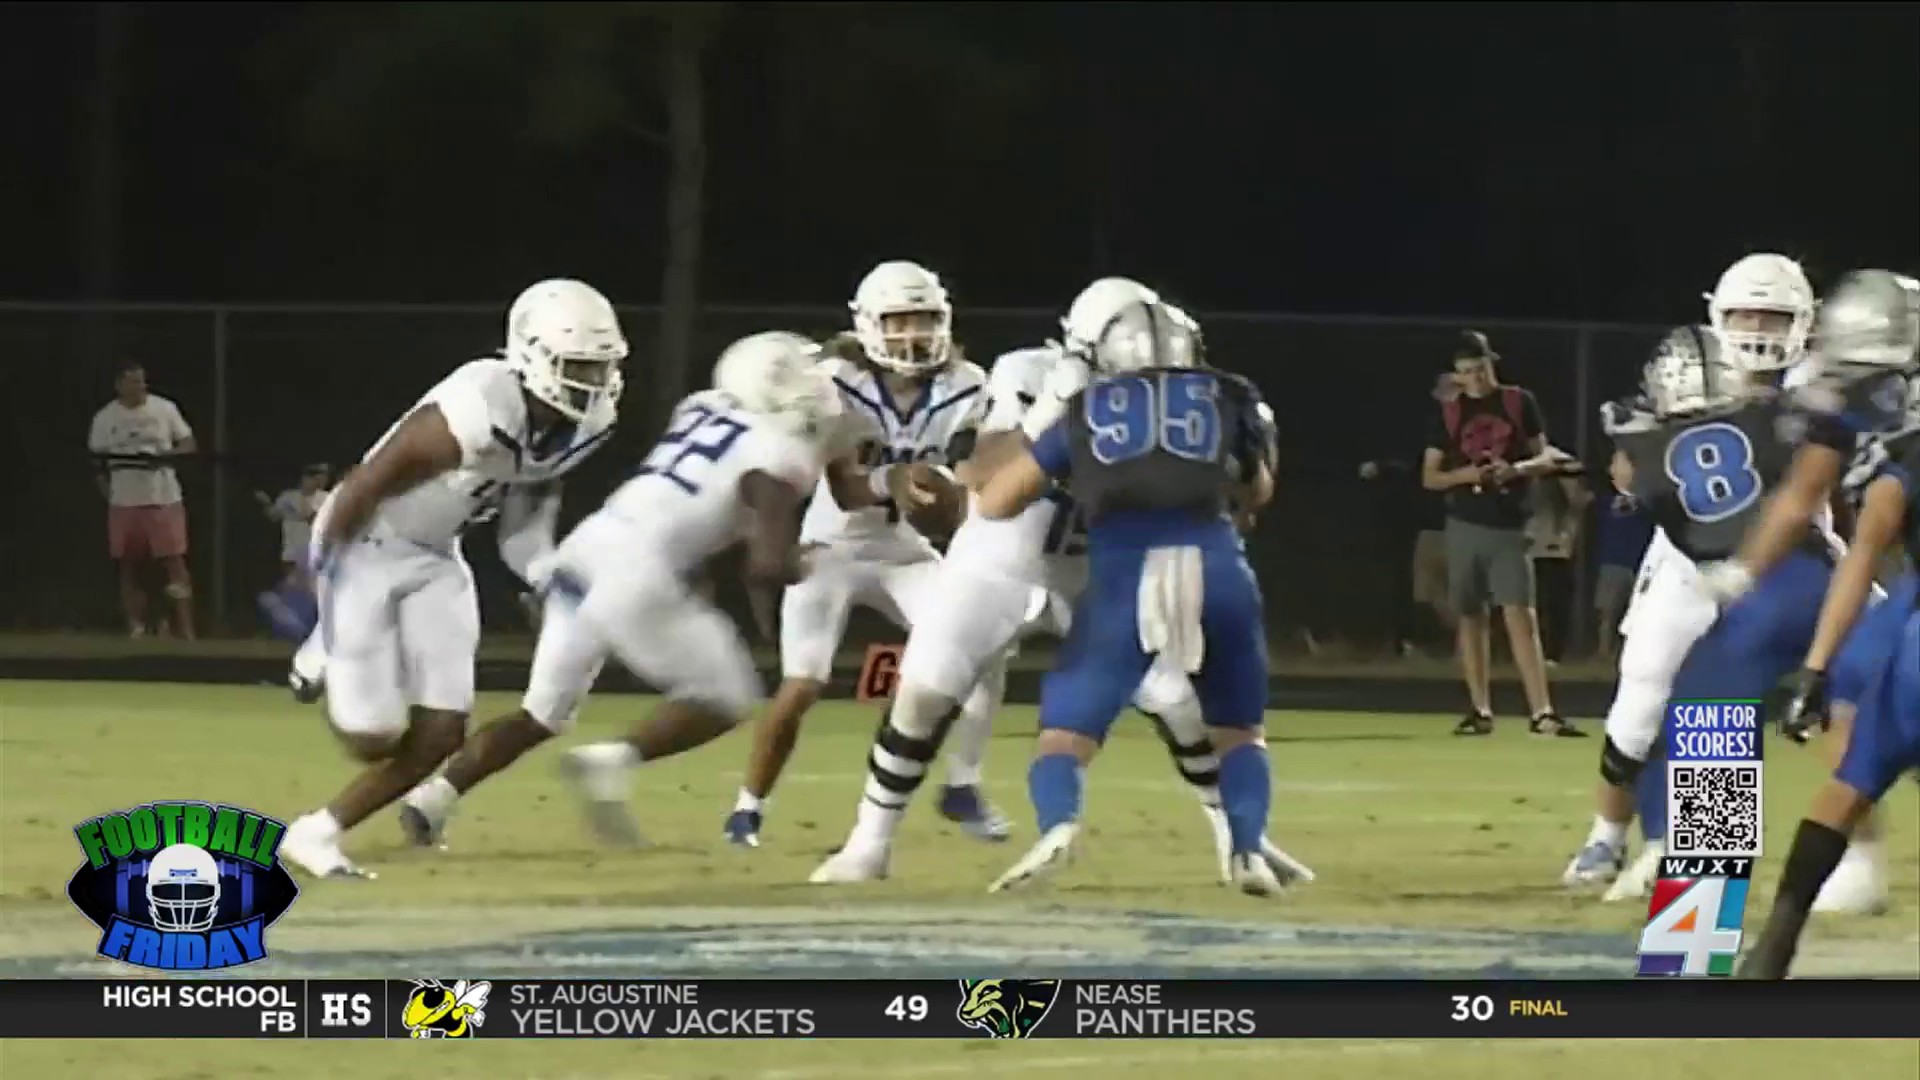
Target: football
938, 519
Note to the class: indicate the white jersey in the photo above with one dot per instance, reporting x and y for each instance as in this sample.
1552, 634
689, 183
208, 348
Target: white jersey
954, 401
683, 504
486, 410
1045, 544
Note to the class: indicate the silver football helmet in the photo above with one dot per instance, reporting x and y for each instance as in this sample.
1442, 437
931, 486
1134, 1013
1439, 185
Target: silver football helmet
1691, 374
1871, 321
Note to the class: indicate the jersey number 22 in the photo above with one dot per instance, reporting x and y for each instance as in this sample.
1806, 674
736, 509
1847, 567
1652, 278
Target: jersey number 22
1132, 415
1711, 466
697, 433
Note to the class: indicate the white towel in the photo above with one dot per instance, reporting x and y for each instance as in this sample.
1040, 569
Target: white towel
1172, 591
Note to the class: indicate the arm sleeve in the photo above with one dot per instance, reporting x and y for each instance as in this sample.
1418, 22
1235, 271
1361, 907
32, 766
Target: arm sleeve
528, 514
1051, 451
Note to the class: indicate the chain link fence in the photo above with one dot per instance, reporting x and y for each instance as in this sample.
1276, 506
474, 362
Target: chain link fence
268, 389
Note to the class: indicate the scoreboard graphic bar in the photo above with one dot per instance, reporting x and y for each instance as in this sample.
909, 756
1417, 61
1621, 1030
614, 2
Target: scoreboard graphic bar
949, 1009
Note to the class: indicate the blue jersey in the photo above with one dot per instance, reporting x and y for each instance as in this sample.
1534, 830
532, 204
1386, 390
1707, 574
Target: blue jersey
1155, 457
1159, 446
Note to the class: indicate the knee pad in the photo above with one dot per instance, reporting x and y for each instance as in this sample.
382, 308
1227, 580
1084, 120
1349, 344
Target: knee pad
177, 591
1619, 768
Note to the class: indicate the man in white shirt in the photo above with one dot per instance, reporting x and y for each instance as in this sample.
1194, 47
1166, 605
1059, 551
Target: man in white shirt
134, 438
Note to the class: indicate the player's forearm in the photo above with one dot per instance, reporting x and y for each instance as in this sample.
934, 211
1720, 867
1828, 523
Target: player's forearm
1789, 513
1846, 597
527, 524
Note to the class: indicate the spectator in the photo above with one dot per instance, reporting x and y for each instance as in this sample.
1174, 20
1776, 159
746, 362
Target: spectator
1404, 512
135, 438
1553, 537
1622, 533
294, 510
1486, 443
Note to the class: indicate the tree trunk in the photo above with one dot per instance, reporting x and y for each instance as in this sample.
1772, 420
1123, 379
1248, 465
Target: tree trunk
685, 93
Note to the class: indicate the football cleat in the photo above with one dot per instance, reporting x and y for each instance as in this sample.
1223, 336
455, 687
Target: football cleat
1254, 876
969, 809
1599, 863
1046, 858
743, 828
1637, 880
308, 846
851, 865
305, 691
422, 828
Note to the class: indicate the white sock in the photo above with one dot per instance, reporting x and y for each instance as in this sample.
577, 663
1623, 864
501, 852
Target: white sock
748, 802
874, 825
1209, 797
435, 797
1611, 833
325, 825
967, 741
1869, 851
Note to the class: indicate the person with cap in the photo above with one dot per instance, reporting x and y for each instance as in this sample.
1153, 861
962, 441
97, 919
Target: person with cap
1486, 444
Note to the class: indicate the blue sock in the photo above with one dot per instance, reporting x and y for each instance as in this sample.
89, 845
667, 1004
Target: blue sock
1053, 782
1246, 791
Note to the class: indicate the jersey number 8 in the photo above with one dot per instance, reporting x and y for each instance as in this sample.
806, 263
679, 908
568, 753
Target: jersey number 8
1711, 466
696, 432
1131, 415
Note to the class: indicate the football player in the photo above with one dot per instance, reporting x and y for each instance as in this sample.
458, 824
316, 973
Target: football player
1858, 393
738, 459
1869, 337
1019, 577
1158, 452
730, 454
397, 610
921, 404
1758, 318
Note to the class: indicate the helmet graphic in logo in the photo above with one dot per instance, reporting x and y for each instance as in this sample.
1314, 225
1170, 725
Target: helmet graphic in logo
183, 889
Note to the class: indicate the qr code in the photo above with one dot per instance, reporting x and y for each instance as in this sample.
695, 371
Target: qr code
1713, 810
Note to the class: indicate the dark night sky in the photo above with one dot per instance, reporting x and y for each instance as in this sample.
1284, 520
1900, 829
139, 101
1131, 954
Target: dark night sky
1592, 161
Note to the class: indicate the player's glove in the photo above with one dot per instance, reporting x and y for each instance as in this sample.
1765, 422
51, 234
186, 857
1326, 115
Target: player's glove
1808, 711
1727, 581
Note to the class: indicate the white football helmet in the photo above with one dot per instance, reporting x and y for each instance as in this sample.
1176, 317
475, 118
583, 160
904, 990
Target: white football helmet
1690, 374
778, 375
183, 889
1762, 288
1144, 334
903, 319
564, 339
1095, 307
1192, 326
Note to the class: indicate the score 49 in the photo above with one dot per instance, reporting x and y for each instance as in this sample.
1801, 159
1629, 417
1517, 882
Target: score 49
907, 1007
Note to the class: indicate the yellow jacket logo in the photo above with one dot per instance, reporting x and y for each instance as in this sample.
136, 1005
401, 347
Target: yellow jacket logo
437, 1011
1006, 1008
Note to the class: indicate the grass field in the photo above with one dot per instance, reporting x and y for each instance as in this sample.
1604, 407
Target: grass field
1437, 856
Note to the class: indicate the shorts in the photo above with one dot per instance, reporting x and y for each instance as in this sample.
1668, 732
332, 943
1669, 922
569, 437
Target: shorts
604, 601
147, 532
1101, 664
400, 624
813, 613
1487, 566
1613, 587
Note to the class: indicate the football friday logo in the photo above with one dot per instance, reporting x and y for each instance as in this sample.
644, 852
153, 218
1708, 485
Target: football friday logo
182, 886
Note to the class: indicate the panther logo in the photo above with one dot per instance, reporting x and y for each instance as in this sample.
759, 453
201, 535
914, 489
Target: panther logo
1006, 1008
